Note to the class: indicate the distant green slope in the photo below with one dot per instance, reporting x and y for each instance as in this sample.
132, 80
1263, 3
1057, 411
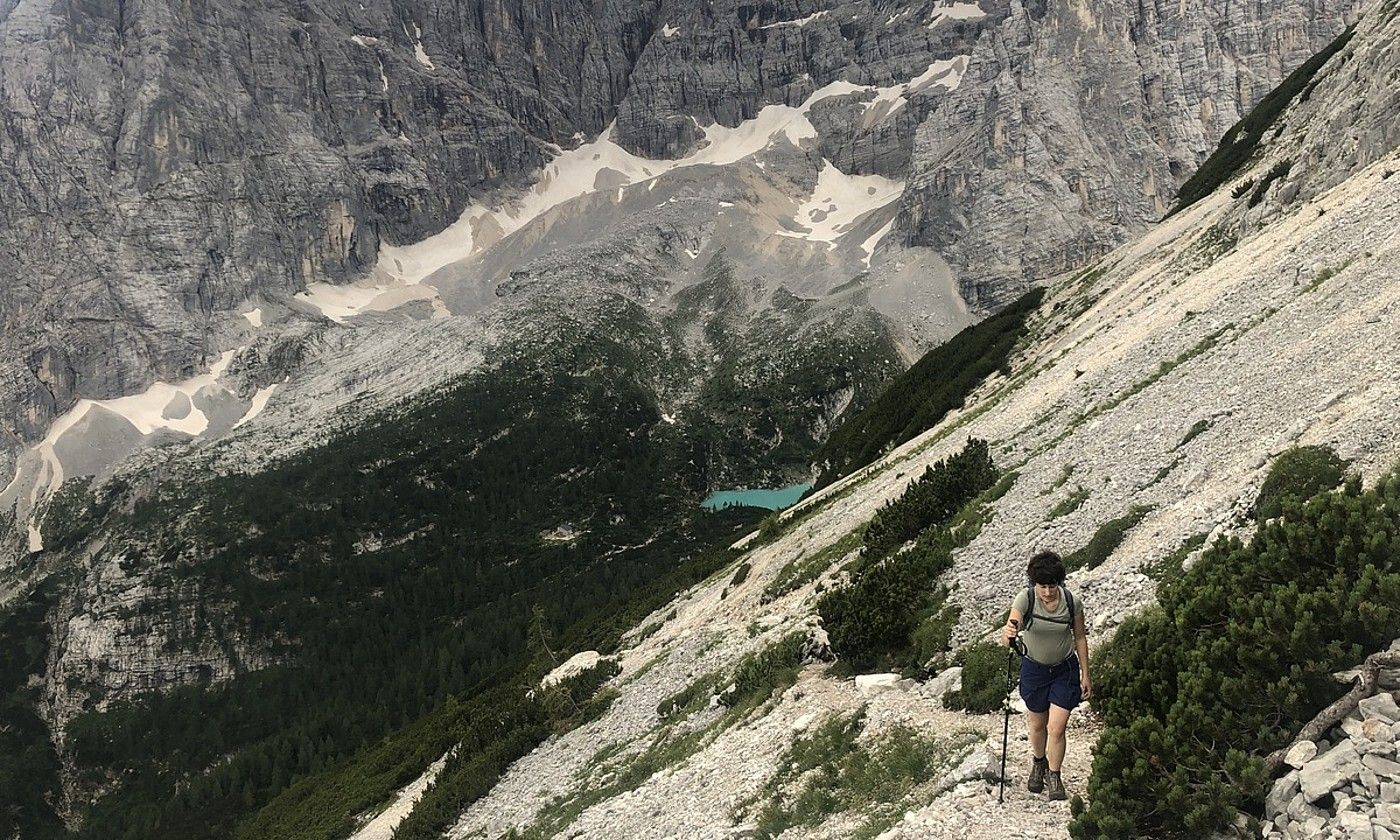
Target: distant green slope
916, 400
1240, 142
389, 573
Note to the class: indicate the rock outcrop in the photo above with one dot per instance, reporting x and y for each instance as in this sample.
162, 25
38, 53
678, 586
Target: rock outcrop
1347, 785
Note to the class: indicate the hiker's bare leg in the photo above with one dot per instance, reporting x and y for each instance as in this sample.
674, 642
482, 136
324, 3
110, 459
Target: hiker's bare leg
1055, 743
1035, 724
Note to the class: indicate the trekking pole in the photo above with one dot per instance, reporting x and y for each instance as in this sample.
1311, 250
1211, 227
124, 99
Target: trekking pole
1011, 650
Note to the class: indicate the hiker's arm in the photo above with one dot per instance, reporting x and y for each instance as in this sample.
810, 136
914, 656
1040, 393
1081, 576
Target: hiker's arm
1013, 620
1081, 645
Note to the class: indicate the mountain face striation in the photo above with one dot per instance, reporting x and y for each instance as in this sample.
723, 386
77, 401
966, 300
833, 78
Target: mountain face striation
173, 165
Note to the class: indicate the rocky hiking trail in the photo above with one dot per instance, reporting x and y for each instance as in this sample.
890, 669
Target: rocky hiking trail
712, 793
971, 809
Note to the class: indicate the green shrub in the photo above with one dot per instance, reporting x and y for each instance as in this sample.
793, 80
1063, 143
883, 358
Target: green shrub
1197, 429
578, 699
1169, 567
1065, 473
761, 675
932, 499
1106, 540
838, 775
933, 636
1276, 172
754, 679
801, 571
983, 686
1237, 657
871, 620
891, 595
1069, 504
690, 699
741, 574
1298, 473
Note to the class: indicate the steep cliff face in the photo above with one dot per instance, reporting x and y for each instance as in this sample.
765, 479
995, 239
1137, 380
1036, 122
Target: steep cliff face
1076, 122
170, 163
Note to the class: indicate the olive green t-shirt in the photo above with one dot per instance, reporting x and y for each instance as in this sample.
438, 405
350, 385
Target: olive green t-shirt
1047, 642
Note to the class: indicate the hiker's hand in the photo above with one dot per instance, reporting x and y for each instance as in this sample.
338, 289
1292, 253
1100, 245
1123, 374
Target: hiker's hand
1086, 688
1008, 633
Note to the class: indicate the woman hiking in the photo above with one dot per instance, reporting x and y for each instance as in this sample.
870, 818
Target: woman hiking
1055, 669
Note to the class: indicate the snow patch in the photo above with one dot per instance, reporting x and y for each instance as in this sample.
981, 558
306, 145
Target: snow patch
946, 74
955, 11
574, 172
869, 245
836, 88
259, 403
839, 200
144, 411
254, 316
418, 51
337, 302
669, 31
363, 40
340, 303
800, 22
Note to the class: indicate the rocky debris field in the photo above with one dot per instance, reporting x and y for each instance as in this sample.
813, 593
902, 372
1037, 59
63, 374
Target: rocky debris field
1345, 786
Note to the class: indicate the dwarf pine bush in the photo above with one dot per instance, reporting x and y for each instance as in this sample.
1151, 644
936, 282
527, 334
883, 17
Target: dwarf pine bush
935, 497
893, 594
1300, 473
1235, 659
983, 679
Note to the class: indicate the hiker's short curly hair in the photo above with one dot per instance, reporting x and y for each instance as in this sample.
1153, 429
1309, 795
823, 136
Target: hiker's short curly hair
1046, 567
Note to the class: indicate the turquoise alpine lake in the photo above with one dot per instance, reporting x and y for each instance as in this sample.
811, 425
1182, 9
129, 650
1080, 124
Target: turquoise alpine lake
769, 499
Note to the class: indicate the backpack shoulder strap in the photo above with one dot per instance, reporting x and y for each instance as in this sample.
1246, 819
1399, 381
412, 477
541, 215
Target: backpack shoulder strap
1029, 615
1069, 599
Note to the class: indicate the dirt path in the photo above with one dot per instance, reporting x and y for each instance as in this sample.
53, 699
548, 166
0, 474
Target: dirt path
971, 810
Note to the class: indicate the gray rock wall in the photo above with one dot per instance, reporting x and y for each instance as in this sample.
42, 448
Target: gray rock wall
166, 161
1074, 127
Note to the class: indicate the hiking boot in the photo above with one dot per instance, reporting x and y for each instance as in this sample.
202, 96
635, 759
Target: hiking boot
1036, 782
1054, 787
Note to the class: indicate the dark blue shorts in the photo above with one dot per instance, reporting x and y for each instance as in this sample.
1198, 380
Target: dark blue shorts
1042, 685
